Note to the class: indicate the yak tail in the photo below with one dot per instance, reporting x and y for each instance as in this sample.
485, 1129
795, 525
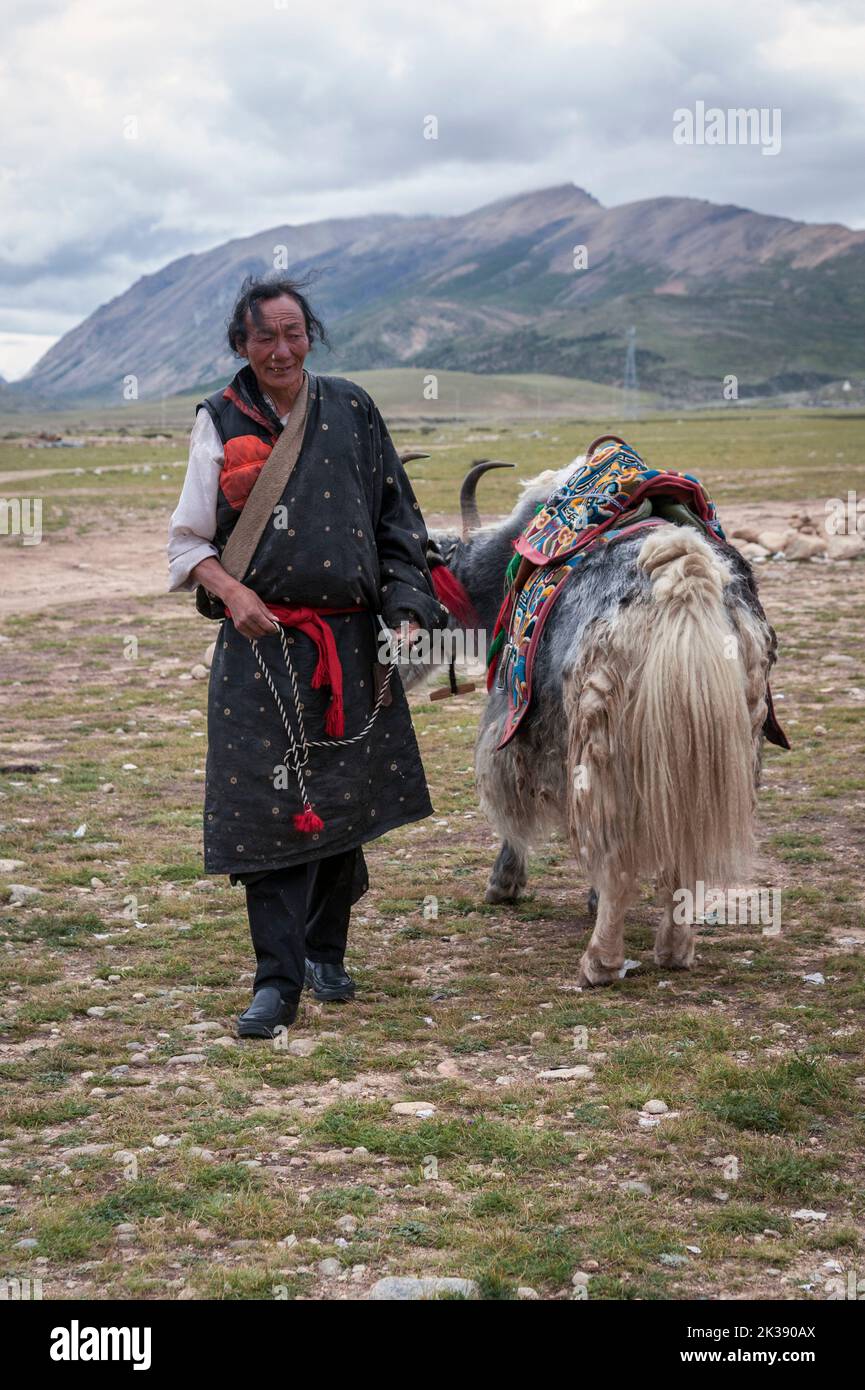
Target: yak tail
695, 715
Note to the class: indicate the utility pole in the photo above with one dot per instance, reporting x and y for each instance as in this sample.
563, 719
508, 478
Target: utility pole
630, 398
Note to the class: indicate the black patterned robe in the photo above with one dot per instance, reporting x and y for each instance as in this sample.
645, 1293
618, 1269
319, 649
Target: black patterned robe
351, 532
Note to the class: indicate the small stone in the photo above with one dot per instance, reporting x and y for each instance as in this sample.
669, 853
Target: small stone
402, 1288
642, 1188
347, 1224
20, 892
655, 1107
96, 1012
202, 1028
803, 547
580, 1073
85, 1151
845, 547
754, 552
185, 1059
815, 979
162, 1141
580, 1278
448, 1068
330, 1268
806, 1214
302, 1047
527, 1294
420, 1109
773, 541
745, 531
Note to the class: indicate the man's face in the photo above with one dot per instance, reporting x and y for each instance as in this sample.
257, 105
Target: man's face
276, 346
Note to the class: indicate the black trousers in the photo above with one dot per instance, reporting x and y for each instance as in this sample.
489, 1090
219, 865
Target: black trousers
301, 912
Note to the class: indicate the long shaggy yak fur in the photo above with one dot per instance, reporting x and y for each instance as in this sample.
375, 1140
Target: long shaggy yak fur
643, 744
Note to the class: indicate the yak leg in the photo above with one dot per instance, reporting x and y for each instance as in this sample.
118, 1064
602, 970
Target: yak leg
508, 876
604, 956
675, 940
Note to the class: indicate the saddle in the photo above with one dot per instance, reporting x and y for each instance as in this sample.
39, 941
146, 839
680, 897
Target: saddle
614, 494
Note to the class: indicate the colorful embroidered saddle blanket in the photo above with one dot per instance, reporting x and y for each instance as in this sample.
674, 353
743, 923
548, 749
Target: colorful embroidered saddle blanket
611, 496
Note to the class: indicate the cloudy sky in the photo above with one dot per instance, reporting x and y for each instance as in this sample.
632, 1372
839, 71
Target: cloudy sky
135, 133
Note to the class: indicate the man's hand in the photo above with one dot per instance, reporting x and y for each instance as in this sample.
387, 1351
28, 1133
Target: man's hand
397, 633
249, 613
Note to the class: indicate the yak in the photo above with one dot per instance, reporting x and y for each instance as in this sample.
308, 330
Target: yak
643, 742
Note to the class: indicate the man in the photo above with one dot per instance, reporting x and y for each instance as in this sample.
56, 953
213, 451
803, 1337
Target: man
306, 760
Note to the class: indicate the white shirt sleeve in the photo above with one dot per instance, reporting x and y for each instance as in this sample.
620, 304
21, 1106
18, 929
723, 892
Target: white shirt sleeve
193, 522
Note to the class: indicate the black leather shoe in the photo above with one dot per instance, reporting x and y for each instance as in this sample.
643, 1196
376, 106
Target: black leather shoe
329, 983
267, 1012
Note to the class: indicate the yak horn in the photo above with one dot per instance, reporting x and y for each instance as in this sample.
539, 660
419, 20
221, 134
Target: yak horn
468, 504
408, 457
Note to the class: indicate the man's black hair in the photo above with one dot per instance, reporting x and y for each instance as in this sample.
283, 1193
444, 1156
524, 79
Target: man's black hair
253, 291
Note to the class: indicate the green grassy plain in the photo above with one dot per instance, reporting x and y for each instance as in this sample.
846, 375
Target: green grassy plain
138, 1175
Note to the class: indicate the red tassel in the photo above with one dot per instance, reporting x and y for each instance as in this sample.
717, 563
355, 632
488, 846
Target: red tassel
455, 597
334, 719
307, 820
320, 674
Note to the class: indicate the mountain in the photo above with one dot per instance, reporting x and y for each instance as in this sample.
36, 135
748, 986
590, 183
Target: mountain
712, 290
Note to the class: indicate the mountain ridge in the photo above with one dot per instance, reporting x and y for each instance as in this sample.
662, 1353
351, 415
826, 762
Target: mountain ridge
713, 289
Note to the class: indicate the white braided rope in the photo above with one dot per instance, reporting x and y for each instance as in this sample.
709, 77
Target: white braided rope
304, 744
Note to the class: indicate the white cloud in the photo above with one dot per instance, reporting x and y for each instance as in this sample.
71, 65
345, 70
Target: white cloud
20, 351
252, 115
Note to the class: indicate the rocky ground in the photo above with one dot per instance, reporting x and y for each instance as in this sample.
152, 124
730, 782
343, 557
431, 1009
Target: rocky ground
474, 1124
